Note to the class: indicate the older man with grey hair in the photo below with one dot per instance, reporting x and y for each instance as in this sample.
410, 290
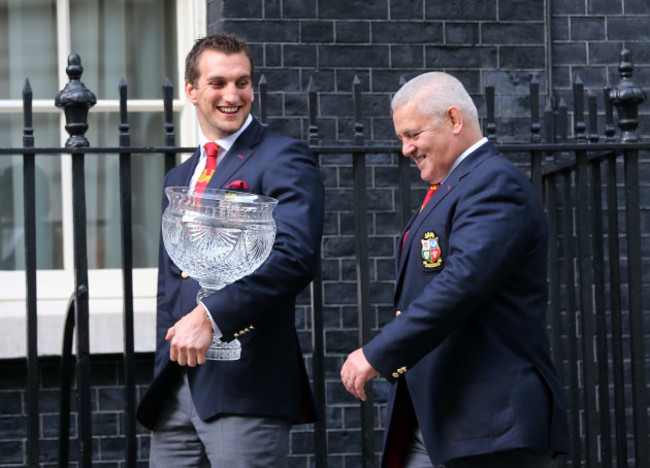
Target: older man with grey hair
467, 353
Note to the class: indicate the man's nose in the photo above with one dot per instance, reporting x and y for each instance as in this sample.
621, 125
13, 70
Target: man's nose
230, 93
407, 147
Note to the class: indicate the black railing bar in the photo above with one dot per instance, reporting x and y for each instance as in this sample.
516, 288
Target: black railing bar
553, 272
65, 376
601, 316
90, 150
585, 265
404, 189
168, 114
318, 369
262, 94
363, 281
317, 323
127, 282
616, 313
635, 291
569, 163
82, 310
29, 201
572, 362
345, 148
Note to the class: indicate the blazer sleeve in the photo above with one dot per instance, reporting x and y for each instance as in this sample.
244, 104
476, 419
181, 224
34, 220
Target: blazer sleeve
290, 175
489, 225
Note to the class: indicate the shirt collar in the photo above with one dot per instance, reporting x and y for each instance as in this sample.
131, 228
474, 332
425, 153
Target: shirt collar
226, 142
464, 154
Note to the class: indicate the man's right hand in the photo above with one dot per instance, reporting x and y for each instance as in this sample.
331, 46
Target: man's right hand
190, 338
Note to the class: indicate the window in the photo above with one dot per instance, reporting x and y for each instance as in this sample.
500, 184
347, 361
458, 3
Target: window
142, 41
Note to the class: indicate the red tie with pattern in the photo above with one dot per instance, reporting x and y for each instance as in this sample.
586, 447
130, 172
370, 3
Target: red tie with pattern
211, 151
427, 197
429, 194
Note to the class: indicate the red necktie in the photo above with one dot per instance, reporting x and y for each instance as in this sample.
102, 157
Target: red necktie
429, 194
211, 151
427, 197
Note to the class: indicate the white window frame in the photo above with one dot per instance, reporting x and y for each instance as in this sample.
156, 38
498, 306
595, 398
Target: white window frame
54, 287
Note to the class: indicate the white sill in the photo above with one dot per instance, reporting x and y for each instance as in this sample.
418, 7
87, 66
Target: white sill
105, 312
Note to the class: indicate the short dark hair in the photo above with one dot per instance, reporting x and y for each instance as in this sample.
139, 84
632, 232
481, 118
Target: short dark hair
226, 43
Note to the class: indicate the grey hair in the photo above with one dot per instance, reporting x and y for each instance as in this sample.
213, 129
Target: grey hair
435, 93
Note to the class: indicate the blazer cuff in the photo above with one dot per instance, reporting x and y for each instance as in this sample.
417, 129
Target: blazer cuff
215, 329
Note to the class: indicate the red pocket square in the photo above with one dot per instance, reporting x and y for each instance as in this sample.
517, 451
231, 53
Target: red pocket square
237, 184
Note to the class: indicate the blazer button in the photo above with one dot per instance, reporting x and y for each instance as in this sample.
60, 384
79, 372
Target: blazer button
185, 275
398, 313
395, 375
236, 335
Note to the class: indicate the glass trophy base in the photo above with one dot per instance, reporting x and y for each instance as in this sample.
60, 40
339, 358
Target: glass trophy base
222, 351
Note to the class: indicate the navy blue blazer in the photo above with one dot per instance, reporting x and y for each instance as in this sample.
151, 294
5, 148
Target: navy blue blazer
470, 340
270, 378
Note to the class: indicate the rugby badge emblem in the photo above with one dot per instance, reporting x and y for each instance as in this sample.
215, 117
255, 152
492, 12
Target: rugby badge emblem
431, 254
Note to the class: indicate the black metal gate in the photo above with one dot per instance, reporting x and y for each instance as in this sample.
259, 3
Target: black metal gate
591, 189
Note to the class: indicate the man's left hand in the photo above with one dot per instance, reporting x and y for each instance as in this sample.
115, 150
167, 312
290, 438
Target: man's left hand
190, 338
356, 371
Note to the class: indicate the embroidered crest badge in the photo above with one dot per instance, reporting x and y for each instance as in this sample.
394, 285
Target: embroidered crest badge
431, 254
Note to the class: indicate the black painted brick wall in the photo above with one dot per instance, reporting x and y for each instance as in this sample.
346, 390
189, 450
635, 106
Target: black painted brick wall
497, 42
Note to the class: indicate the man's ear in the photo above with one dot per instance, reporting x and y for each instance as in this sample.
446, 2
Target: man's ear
190, 92
455, 119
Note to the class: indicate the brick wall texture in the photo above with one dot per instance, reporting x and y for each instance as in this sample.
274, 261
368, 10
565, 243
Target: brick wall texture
504, 43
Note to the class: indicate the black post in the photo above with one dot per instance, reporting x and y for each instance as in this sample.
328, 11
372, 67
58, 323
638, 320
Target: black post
535, 137
317, 338
404, 168
593, 118
127, 282
170, 138
568, 245
75, 100
263, 93
585, 265
363, 293
29, 202
610, 130
626, 96
490, 127
598, 262
618, 365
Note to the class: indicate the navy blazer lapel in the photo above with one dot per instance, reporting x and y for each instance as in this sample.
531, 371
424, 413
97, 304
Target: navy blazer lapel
466, 166
183, 175
239, 153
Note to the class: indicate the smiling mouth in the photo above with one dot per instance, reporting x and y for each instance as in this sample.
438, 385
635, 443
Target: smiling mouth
228, 110
419, 158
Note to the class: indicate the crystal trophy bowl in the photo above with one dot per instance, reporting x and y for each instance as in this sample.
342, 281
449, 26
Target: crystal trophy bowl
217, 238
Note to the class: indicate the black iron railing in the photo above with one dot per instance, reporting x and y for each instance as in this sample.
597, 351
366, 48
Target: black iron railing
595, 279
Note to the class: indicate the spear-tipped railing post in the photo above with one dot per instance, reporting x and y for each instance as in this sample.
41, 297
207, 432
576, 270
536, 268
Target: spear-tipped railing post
76, 100
264, 102
363, 286
491, 127
29, 200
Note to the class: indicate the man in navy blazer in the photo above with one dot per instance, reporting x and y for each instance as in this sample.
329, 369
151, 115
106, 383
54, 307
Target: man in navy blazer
467, 354
236, 413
